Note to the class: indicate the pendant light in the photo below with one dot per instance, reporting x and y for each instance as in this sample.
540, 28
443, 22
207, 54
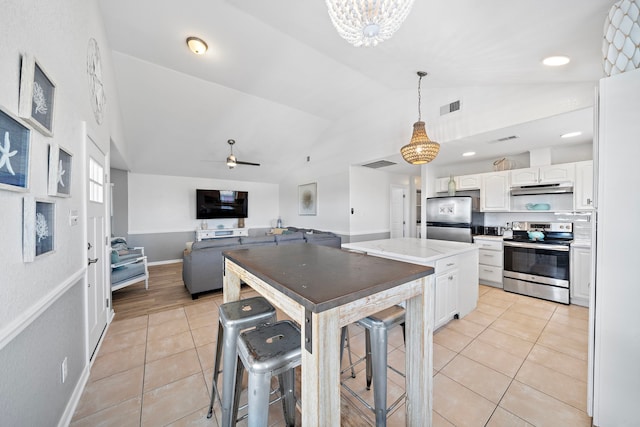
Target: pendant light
420, 149
368, 22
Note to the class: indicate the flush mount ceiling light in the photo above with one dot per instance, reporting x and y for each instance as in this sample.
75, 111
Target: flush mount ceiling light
469, 153
368, 22
556, 61
570, 134
197, 46
420, 149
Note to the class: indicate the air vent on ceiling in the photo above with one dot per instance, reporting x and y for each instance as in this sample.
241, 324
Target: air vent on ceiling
450, 108
379, 164
507, 138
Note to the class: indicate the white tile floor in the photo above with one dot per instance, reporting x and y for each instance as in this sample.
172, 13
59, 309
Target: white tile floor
513, 361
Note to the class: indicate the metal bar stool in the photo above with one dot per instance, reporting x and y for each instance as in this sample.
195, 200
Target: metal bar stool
235, 317
265, 351
376, 333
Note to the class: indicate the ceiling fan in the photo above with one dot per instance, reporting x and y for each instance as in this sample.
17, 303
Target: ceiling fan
232, 162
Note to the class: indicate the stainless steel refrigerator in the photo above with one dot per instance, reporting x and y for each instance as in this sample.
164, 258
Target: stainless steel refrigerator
455, 218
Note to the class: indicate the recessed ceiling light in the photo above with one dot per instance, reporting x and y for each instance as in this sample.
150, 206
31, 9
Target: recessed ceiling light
197, 46
556, 61
469, 153
570, 134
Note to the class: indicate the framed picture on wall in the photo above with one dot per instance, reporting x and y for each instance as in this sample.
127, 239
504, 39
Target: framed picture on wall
308, 199
38, 228
59, 171
15, 144
37, 93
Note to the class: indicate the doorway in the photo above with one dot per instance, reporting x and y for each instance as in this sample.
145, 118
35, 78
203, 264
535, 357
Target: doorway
399, 212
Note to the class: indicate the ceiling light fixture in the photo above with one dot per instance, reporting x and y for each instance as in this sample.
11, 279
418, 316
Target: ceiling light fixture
197, 46
556, 61
420, 149
368, 22
571, 134
469, 153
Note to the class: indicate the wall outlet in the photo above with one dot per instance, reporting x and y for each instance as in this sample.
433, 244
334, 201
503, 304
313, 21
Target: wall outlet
64, 370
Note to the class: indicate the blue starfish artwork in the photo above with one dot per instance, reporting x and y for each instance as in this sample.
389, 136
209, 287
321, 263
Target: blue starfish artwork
5, 154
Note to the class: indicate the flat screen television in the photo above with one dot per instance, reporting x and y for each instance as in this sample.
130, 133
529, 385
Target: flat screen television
221, 204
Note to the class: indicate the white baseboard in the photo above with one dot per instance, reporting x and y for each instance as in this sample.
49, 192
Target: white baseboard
72, 404
168, 261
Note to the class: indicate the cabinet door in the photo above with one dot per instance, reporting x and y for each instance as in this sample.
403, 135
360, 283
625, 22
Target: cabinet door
446, 297
468, 182
494, 192
557, 173
583, 187
442, 184
528, 176
580, 276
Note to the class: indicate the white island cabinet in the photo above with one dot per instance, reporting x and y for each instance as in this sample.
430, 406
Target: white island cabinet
455, 264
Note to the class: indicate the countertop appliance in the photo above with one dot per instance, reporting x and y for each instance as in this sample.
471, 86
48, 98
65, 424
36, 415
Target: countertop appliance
455, 218
537, 260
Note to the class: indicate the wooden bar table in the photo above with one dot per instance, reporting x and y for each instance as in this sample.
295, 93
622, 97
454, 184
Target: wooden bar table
324, 289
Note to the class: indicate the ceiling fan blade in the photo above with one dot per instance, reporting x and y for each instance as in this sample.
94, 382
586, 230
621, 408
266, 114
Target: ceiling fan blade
247, 163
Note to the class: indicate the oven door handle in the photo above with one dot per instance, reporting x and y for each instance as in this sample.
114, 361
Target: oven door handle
561, 248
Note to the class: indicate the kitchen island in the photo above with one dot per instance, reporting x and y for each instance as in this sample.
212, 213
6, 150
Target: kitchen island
455, 264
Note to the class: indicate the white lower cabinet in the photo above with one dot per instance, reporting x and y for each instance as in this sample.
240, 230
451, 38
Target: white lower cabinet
490, 260
456, 287
580, 275
446, 297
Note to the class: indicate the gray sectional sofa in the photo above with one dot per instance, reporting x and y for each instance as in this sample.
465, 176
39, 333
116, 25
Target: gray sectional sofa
202, 265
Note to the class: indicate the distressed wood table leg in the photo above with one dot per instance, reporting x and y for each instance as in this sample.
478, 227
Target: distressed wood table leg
230, 285
321, 372
419, 357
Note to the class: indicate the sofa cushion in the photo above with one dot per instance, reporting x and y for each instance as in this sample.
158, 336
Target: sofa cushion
289, 237
216, 243
126, 272
257, 239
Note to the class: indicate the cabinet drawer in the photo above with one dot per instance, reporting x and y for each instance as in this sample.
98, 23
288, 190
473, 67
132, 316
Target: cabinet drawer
488, 257
490, 274
445, 264
492, 245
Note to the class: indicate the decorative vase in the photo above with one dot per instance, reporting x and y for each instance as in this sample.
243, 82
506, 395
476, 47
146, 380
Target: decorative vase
621, 43
452, 186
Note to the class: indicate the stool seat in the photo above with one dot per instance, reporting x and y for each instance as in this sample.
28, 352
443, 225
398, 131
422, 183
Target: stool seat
265, 351
234, 317
386, 318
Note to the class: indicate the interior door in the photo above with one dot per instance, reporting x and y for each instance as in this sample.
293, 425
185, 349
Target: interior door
398, 212
97, 240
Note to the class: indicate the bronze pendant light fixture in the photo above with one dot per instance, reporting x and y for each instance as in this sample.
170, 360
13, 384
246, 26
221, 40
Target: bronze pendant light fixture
420, 149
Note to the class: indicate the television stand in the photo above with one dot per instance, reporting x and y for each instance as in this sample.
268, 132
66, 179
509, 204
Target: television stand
217, 233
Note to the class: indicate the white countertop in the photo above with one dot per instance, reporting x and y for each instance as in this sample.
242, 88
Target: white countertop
419, 251
487, 237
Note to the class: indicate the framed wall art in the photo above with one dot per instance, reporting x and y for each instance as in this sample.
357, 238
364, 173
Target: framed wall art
15, 146
37, 93
59, 171
308, 199
38, 228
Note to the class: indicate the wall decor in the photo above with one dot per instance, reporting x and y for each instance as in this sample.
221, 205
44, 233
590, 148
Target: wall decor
37, 93
38, 228
15, 145
59, 171
308, 199
96, 85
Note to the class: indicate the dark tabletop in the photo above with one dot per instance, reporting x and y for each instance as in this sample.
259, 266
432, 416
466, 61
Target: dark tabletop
321, 277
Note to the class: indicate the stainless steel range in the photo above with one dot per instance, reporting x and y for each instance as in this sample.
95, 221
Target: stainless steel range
537, 260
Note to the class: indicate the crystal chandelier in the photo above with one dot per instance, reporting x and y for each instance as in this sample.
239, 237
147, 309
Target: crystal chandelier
368, 22
420, 149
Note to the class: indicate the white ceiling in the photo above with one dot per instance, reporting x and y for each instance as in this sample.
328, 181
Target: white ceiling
277, 77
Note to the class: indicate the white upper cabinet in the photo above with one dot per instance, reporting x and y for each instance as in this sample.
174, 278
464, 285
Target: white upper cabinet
442, 184
543, 174
583, 187
494, 192
468, 182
